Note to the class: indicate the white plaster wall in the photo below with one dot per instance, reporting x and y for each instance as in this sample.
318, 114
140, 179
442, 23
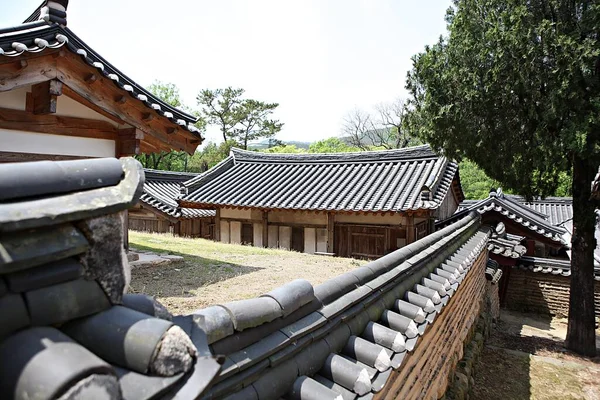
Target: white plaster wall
298, 217
273, 236
285, 237
258, 237
310, 240
235, 213
14, 99
43, 143
224, 231
70, 108
322, 240
387, 219
235, 232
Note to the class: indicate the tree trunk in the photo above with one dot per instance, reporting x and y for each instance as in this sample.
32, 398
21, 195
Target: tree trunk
581, 336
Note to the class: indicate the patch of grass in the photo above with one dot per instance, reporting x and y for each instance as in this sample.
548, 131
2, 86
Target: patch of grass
213, 272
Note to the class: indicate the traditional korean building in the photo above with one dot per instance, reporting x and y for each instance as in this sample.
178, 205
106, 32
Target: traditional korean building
158, 211
532, 247
363, 204
59, 99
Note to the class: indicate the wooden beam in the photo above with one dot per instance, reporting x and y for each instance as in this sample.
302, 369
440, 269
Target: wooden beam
56, 125
91, 78
120, 99
129, 142
30, 71
72, 72
10, 157
44, 96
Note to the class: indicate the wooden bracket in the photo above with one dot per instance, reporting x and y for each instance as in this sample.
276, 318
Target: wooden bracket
121, 99
22, 64
43, 97
147, 117
91, 78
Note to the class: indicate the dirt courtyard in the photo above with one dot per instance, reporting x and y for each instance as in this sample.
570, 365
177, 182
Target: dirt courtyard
213, 272
524, 358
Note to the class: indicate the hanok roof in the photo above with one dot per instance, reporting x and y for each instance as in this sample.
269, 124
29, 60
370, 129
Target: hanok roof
378, 181
527, 217
63, 274
343, 338
163, 188
550, 266
49, 32
556, 210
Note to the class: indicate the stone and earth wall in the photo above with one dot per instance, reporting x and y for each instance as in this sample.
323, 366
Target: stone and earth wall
541, 293
430, 369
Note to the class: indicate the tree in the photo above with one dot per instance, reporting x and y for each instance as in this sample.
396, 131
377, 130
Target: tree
385, 130
209, 156
167, 92
221, 107
331, 145
515, 88
254, 122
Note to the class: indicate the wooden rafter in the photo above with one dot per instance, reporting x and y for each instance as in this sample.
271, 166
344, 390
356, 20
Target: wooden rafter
44, 96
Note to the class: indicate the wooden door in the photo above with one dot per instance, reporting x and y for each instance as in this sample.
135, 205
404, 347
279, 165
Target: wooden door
247, 234
358, 241
298, 239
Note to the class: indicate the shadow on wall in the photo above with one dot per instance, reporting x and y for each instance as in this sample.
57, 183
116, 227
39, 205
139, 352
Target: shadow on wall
542, 294
180, 279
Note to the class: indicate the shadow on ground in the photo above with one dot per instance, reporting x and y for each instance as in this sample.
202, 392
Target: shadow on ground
519, 362
183, 278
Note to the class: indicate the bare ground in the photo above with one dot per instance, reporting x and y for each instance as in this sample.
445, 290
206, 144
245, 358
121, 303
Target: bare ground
213, 273
525, 359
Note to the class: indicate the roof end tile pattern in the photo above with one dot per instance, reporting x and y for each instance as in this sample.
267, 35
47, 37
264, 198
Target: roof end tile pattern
514, 211
348, 333
550, 266
378, 181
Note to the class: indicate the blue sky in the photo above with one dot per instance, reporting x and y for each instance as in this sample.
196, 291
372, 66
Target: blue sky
319, 59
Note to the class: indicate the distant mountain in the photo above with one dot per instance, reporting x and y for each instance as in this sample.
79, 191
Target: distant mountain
264, 144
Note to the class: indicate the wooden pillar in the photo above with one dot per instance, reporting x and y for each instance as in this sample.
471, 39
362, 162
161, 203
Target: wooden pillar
218, 225
410, 229
330, 232
265, 229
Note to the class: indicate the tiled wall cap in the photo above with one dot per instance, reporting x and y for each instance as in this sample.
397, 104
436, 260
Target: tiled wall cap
345, 373
252, 312
306, 388
293, 295
368, 353
400, 323
425, 303
217, 323
409, 310
433, 295
384, 336
328, 291
441, 280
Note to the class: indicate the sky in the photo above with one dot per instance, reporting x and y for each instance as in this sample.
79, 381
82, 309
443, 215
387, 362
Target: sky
319, 59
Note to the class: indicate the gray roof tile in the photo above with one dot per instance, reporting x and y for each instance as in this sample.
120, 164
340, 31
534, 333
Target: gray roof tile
304, 181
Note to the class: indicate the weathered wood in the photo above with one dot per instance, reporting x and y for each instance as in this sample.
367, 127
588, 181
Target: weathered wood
57, 125
6, 157
410, 229
330, 232
265, 229
91, 78
129, 142
218, 225
44, 96
73, 72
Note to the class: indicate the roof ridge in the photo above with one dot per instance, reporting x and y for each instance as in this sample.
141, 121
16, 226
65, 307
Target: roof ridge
415, 152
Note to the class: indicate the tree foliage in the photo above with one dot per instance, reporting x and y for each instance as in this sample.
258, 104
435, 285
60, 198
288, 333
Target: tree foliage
239, 120
515, 87
331, 145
